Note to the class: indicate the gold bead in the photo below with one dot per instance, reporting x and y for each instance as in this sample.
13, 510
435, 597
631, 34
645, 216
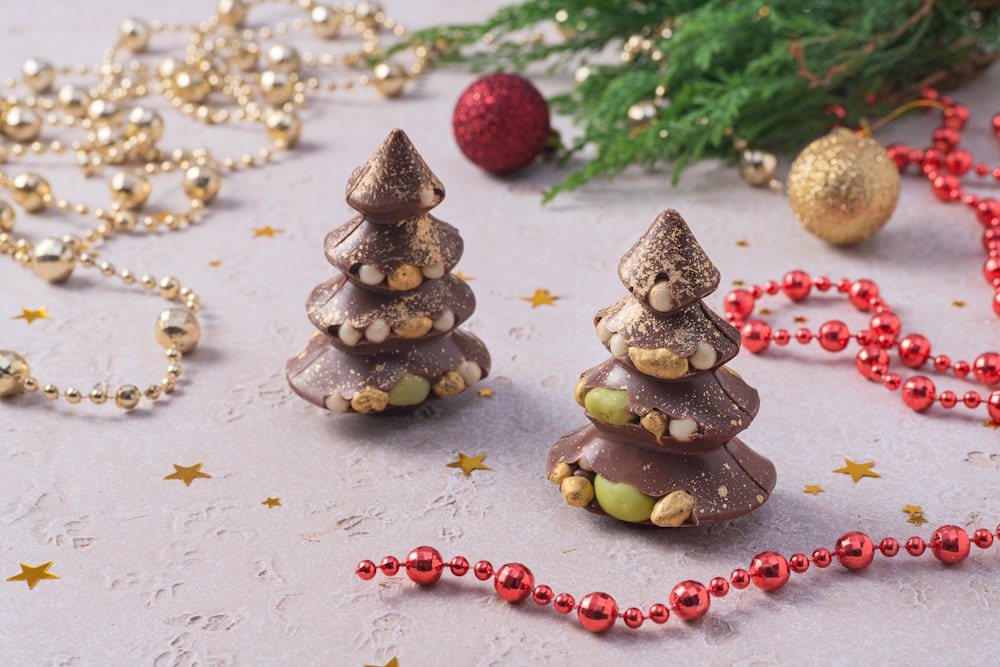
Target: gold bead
98, 397
147, 281
30, 384
177, 327
127, 396
74, 100
153, 392
73, 395
104, 110
325, 21
244, 56
7, 217
50, 391
367, 13
283, 58
167, 67
13, 371
143, 122
107, 269
202, 182
232, 12
129, 190
169, 287
127, 276
283, 127
173, 371
758, 167
38, 75
276, 87
125, 221
31, 191
54, 260
167, 385
134, 35
173, 354
21, 123
641, 115
191, 85
389, 79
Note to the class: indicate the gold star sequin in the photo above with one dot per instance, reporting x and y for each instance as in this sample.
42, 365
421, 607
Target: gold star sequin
391, 663
912, 509
764, 311
33, 575
464, 278
958, 304
991, 423
814, 489
485, 393
468, 463
739, 283
215, 262
917, 519
743, 244
271, 502
801, 319
267, 231
30, 316
857, 470
188, 474
541, 297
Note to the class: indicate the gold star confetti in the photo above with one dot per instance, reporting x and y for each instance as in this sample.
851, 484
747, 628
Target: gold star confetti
801, 319
461, 276
541, 297
468, 463
743, 244
814, 489
917, 518
215, 262
485, 393
267, 231
391, 663
31, 315
991, 423
739, 283
764, 311
33, 575
271, 502
858, 470
913, 509
188, 474
958, 304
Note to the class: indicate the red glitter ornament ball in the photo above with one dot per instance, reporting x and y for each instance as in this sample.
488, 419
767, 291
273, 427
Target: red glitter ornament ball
501, 123
514, 582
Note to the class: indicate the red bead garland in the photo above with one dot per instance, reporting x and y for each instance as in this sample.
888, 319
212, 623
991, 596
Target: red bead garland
689, 600
883, 334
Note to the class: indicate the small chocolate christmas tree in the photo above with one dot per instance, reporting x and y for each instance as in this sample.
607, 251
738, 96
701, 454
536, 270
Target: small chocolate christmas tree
665, 408
387, 338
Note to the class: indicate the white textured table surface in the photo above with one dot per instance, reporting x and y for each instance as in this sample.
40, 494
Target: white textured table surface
153, 572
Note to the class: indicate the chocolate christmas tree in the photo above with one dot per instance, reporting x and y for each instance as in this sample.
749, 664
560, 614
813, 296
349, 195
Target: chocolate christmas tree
387, 338
665, 409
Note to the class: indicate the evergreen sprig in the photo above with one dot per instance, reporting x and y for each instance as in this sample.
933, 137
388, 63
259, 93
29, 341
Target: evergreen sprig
767, 72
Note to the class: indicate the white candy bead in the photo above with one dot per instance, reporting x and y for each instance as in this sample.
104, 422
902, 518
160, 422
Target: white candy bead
704, 356
336, 403
348, 334
603, 332
433, 271
369, 275
470, 372
377, 331
659, 297
618, 346
682, 429
445, 322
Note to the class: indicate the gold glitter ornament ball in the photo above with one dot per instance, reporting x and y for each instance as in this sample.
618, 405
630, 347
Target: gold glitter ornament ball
843, 187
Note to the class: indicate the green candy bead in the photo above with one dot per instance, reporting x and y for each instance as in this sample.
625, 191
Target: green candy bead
409, 390
609, 405
623, 501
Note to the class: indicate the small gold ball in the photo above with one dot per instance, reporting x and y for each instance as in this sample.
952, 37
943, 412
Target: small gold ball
366, 13
283, 127
167, 67
129, 190
232, 12
31, 191
244, 55
642, 114
98, 397
21, 123
283, 58
191, 85
54, 260
659, 363
74, 100
147, 281
8, 217
202, 182
125, 221
104, 110
843, 188
174, 371
153, 392
30, 384
325, 21
404, 277
758, 167
143, 122
134, 35
389, 79
178, 327
580, 392
276, 87
50, 391
73, 395
169, 287
167, 385
450, 384
13, 371
127, 396
173, 354
38, 75
672, 510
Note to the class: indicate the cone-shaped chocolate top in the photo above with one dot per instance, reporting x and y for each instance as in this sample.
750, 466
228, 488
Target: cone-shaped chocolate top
669, 252
394, 182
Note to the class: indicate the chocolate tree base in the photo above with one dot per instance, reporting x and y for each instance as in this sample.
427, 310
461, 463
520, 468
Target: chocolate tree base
726, 482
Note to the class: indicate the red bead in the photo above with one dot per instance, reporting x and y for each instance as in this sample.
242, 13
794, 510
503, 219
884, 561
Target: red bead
944, 138
982, 538
950, 544
892, 381
756, 335
798, 563
597, 612
948, 399
740, 579
855, 550
972, 399
564, 603
986, 368
803, 335
987, 210
771, 287
483, 570
542, 595
886, 324
658, 613
843, 285
991, 270
958, 161
796, 285
947, 187
932, 159
961, 368
914, 350
957, 116
991, 237
822, 283
769, 571
389, 566
982, 169
864, 337
918, 392
365, 570
993, 405
915, 546
781, 337
513, 582
833, 336
929, 93
718, 587
424, 565
690, 600
822, 558
459, 566
755, 291
916, 156
739, 303
900, 154
860, 293
633, 617
996, 123
942, 362
889, 547
868, 358
996, 303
